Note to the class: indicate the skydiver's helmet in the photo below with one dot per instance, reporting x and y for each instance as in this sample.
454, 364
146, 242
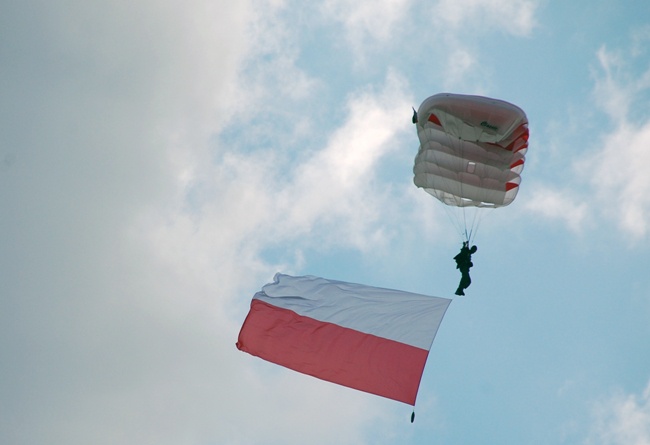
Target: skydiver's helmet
473, 249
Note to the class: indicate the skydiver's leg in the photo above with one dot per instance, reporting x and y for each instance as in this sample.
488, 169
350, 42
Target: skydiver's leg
465, 281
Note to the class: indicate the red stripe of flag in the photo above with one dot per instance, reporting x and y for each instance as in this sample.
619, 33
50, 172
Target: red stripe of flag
334, 353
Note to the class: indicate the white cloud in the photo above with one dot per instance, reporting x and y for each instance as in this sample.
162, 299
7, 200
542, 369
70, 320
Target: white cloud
617, 171
251, 201
515, 17
368, 22
624, 419
618, 85
620, 180
617, 184
558, 205
338, 186
132, 235
460, 27
461, 63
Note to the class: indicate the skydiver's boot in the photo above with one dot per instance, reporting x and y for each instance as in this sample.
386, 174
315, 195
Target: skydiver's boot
459, 291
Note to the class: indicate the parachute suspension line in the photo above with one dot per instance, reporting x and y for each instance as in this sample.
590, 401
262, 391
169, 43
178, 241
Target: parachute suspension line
453, 219
452, 215
478, 218
472, 231
467, 235
463, 212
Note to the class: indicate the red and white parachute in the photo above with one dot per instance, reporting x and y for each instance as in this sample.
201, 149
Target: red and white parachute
472, 152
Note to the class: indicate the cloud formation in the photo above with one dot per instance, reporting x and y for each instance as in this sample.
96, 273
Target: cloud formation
510, 17
618, 188
624, 419
363, 21
617, 173
555, 204
133, 222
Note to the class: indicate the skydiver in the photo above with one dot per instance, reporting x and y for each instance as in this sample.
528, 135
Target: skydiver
414, 119
464, 263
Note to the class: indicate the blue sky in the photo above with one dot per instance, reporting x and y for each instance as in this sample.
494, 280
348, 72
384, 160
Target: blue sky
160, 161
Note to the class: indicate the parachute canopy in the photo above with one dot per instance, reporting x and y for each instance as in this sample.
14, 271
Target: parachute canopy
472, 150
367, 338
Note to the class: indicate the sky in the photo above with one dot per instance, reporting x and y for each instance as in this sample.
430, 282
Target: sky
161, 160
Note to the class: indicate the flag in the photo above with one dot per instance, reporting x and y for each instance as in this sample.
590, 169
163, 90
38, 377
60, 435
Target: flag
367, 338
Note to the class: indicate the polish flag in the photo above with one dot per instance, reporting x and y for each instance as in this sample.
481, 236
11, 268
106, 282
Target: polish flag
367, 338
